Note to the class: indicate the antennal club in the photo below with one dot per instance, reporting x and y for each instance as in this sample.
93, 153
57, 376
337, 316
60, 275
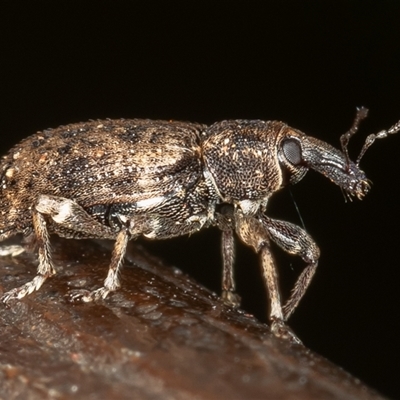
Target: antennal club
361, 114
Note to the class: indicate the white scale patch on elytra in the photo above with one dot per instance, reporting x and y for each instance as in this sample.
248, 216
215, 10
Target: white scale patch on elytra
149, 203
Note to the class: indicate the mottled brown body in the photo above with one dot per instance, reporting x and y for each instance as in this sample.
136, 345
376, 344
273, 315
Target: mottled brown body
119, 179
108, 168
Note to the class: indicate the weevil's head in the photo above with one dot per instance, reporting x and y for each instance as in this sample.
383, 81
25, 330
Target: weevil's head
298, 151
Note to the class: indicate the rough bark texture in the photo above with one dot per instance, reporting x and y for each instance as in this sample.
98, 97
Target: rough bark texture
161, 336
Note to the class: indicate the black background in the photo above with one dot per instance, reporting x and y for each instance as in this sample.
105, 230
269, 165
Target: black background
306, 63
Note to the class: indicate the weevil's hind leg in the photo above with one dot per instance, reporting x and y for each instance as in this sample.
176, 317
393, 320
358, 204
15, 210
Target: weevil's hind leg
294, 240
112, 281
254, 234
69, 215
12, 250
45, 268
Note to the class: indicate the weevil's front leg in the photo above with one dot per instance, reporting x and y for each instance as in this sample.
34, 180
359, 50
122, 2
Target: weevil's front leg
294, 240
45, 268
254, 234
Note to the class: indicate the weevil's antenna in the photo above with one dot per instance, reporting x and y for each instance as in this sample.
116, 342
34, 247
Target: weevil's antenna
380, 135
361, 114
297, 209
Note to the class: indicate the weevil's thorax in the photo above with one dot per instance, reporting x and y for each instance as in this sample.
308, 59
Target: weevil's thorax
241, 158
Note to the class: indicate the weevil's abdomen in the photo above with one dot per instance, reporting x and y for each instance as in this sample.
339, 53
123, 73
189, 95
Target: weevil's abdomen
102, 163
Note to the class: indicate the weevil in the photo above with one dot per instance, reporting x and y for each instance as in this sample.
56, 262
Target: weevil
121, 179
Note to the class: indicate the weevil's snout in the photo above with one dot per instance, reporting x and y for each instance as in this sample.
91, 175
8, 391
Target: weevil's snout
356, 184
308, 152
362, 188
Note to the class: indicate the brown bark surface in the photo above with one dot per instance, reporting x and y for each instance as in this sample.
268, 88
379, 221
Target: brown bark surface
161, 336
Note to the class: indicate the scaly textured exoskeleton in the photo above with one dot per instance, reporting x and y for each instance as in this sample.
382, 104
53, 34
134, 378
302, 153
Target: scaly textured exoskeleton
120, 179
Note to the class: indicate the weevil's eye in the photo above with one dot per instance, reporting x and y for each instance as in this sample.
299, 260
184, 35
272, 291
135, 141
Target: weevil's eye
291, 161
292, 151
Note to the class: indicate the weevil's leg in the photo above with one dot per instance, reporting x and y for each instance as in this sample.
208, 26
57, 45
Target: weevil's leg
68, 214
294, 240
228, 258
254, 234
45, 268
225, 222
12, 250
112, 281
